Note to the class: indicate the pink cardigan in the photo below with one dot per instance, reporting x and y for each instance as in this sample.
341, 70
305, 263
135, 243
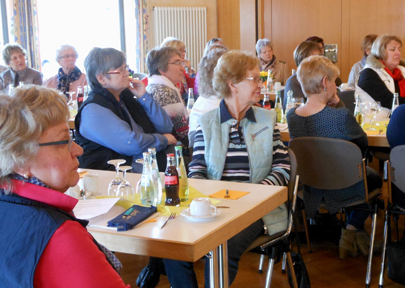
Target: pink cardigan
53, 83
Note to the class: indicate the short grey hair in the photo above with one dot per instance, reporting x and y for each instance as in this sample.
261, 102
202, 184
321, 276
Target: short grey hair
206, 71
261, 43
210, 43
24, 117
100, 61
63, 48
158, 59
11, 48
379, 48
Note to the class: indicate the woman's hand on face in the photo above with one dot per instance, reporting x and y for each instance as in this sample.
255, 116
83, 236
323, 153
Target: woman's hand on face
187, 63
171, 140
334, 101
136, 87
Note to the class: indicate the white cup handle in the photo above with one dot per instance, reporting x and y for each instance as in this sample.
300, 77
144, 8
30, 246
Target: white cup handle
215, 210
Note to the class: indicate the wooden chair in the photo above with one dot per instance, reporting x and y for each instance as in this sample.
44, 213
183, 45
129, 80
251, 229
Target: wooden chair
330, 164
396, 172
268, 243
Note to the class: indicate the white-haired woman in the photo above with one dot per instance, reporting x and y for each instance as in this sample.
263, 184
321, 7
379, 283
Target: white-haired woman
43, 243
69, 77
268, 61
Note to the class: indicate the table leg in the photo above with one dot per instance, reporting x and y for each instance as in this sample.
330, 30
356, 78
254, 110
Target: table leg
214, 277
223, 265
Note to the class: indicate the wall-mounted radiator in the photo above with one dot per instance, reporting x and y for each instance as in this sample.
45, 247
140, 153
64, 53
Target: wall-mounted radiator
189, 24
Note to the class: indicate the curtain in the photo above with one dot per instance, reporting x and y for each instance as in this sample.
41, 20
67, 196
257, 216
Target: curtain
141, 16
24, 29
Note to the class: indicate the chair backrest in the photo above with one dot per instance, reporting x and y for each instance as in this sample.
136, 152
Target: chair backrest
139, 75
326, 163
397, 167
347, 97
293, 174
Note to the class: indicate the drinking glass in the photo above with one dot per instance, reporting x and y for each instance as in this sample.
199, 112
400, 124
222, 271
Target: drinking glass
370, 111
113, 187
299, 101
378, 104
125, 189
72, 104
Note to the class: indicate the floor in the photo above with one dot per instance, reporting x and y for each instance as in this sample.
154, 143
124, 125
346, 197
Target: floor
324, 267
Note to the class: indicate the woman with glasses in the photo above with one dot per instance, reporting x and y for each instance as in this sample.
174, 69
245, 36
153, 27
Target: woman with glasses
237, 142
165, 65
69, 77
119, 120
43, 243
14, 55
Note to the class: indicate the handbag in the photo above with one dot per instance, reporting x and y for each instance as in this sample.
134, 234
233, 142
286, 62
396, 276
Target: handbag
395, 261
300, 271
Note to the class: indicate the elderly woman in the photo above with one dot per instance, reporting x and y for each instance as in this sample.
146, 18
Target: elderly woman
268, 61
50, 247
165, 65
383, 74
222, 152
213, 41
357, 67
111, 123
69, 77
316, 118
14, 57
208, 99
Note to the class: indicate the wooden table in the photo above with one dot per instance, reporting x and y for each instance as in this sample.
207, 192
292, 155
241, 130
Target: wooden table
189, 241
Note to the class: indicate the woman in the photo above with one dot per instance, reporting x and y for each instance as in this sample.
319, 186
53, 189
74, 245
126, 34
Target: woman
268, 61
111, 124
14, 57
304, 50
383, 74
208, 99
316, 118
221, 152
213, 41
357, 67
50, 247
165, 70
69, 77
319, 41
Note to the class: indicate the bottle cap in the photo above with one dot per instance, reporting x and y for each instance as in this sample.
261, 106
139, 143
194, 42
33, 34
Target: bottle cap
170, 155
178, 148
151, 150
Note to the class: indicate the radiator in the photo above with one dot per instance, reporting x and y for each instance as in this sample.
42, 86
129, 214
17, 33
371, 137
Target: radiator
188, 24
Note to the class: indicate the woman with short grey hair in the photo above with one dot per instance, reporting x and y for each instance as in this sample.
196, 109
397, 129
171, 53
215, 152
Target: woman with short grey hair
69, 77
14, 56
165, 66
268, 61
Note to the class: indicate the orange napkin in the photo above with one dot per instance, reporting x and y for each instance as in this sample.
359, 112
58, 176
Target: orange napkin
233, 195
371, 132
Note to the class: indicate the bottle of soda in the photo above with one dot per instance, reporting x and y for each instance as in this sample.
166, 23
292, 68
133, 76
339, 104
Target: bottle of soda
86, 92
171, 182
358, 113
148, 189
80, 96
266, 102
278, 107
270, 86
190, 100
181, 171
395, 103
155, 174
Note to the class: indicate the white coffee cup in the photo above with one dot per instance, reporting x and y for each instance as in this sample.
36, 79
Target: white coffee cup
202, 207
90, 183
74, 192
277, 86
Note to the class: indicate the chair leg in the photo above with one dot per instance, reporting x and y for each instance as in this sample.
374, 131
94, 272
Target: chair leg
381, 281
283, 263
270, 269
370, 254
304, 215
292, 271
261, 264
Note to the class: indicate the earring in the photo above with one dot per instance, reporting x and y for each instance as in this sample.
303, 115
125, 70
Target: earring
326, 89
26, 176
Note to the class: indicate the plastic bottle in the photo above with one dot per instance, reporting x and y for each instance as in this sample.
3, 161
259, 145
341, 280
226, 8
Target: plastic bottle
171, 182
147, 189
155, 175
181, 171
80, 96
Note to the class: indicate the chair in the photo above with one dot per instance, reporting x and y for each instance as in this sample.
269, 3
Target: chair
347, 97
139, 75
330, 164
396, 171
266, 242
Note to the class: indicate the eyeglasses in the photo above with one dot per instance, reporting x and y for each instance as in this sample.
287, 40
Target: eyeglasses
119, 70
63, 142
256, 79
178, 62
69, 56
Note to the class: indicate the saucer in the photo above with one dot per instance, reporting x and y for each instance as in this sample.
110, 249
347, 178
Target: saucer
186, 213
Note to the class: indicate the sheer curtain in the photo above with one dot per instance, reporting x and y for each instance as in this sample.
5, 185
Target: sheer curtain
142, 48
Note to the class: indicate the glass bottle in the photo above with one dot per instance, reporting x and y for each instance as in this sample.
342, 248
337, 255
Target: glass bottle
181, 171
266, 102
147, 189
190, 100
358, 111
278, 107
269, 81
171, 182
86, 92
395, 103
80, 96
155, 175
290, 102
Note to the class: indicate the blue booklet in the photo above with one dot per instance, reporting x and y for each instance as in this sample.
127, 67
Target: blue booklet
132, 217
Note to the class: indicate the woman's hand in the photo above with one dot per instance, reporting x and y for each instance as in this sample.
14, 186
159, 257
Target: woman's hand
187, 63
334, 101
171, 140
136, 87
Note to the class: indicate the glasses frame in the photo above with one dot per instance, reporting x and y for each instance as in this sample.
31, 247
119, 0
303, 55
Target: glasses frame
178, 63
119, 70
68, 56
259, 80
63, 142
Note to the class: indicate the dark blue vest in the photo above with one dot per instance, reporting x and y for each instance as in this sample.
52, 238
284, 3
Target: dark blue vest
25, 229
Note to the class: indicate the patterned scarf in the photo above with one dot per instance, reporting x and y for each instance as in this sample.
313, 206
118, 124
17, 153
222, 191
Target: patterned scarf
266, 66
398, 77
64, 80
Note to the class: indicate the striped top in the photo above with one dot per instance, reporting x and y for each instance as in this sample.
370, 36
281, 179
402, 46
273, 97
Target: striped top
237, 160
